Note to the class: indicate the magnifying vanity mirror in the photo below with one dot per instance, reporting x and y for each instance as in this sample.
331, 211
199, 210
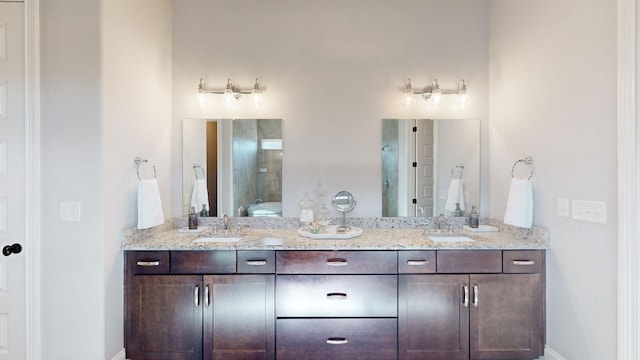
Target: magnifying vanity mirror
239, 160
422, 158
344, 202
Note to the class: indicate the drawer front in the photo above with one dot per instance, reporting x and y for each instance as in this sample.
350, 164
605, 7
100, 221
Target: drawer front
256, 262
469, 261
203, 262
147, 262
417, 262
348, 339
522, 261
336, 262
336, 295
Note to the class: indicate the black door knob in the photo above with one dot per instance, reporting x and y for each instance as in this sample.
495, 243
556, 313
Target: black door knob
11, 249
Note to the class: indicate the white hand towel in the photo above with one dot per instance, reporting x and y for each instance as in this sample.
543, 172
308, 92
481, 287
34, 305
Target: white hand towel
149, 205
519, 210
200, 195
455, 195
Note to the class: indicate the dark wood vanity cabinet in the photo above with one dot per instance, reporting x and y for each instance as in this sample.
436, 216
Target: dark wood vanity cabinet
184, 305
370, 305
476, 305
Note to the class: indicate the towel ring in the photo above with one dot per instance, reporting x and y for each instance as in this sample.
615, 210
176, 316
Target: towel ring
461, 167
195, 170
139, 161
527, 161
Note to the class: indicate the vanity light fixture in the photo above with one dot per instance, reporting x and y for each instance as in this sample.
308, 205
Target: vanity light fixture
433, 92
232, 92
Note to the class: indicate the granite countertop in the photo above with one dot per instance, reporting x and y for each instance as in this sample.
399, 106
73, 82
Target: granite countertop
398, 236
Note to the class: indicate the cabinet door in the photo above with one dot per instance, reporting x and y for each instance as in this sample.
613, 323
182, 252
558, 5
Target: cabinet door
239, 317
165, 318
433, 317
506, 316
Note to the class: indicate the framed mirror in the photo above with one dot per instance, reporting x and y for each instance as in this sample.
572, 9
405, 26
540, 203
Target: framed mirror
421, 160
237, 161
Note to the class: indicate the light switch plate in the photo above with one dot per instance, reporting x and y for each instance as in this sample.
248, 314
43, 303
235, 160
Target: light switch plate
563, 208
70, 211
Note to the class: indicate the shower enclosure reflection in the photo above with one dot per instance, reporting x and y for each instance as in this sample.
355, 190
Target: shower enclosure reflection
420, 160
241, 160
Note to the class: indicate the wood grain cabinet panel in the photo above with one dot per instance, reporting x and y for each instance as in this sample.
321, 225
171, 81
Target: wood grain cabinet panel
336, 339
164, 318
336, 262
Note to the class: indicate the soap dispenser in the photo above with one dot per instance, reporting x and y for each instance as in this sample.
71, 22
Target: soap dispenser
193, 219
474, 218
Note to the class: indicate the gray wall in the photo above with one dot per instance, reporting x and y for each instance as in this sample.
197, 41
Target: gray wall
553, 97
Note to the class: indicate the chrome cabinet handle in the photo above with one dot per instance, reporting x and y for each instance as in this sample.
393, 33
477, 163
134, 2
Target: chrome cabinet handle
475, 295
417, 262
196, 296
206, 295
465, 301
336, 296
256, 262
337, 262
148, 263
337, 341
523, 262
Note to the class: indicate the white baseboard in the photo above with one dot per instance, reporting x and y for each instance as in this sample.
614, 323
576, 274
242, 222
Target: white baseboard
550, 354
119, 356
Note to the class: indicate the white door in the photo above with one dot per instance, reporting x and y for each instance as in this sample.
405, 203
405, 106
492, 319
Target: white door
12, 181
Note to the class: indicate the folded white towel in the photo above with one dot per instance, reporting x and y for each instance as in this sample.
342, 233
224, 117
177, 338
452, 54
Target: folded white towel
149, 204
200, 195
455, 195
519, 210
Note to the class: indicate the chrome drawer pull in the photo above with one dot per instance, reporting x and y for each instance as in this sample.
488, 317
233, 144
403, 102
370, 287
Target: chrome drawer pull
148, 263
337, 296
465, 301
475, 295
196, 296
206, 295
337, 262
523, 262
256, 262
417, 262
337, 341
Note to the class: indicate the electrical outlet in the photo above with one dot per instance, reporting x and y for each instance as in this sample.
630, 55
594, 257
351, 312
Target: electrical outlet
563, 208
70, 211
592, 211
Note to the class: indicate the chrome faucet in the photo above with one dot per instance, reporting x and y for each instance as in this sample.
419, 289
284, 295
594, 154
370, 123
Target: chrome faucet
225, 223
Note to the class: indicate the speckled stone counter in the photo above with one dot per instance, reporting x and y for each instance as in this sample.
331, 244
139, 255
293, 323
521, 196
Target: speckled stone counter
378, 234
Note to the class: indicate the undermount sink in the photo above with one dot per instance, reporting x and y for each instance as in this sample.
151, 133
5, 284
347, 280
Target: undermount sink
449, 238
218, 239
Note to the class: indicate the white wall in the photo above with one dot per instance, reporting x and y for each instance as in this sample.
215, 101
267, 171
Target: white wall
553, 97
136, 113
106, 85
333, 70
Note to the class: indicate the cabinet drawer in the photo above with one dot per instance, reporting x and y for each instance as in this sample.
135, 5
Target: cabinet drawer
469, 261
203, 262
336, 262
417, 262
348, 339
522, 261
147, 262
256, 262
336, 295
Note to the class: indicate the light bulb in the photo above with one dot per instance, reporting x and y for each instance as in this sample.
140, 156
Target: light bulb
201, 100
228, 96
256, 93
408, 93
436, 94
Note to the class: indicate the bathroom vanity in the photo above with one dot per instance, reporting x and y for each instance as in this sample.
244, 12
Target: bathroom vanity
390, 294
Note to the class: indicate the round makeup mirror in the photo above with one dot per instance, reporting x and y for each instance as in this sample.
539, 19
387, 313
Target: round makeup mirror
344, 202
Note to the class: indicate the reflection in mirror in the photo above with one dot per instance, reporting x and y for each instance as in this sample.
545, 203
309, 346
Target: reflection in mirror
421, 160
240, 161
344, 202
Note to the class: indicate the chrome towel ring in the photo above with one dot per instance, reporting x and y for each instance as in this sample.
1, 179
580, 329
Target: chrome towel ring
527, 161
461, 169
138, 160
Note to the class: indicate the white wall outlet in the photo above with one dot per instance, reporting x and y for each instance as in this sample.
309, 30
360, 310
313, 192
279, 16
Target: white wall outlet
592, 211
70, 211
563, 208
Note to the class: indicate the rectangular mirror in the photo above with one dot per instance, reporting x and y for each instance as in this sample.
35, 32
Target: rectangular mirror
421, 160
232, 166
